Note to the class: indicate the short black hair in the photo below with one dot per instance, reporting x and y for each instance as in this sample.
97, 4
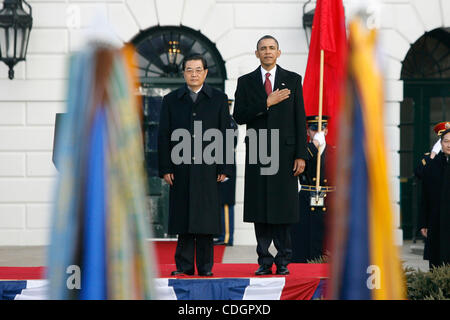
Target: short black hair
267, 37
195, 56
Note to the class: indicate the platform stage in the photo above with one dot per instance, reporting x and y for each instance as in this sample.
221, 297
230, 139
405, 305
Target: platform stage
230, 282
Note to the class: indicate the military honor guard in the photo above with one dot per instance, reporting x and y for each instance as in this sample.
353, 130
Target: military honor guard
438, 129
434, 215
308, 234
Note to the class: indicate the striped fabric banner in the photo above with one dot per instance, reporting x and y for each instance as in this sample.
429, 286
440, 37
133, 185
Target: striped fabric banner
99, 222
275, 288
365, 260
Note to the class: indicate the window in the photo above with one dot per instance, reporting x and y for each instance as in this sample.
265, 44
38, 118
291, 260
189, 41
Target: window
160, 53
426, 79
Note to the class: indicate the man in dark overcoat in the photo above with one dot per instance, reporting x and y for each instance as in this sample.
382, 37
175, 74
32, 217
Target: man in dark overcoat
434, 218
269, 101
194, 208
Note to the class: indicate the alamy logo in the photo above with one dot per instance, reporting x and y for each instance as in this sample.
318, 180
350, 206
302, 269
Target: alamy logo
73, 17
374, 280
186, 153
74, 280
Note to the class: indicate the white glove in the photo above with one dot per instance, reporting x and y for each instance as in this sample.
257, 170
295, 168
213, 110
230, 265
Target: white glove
320, 138
436, 149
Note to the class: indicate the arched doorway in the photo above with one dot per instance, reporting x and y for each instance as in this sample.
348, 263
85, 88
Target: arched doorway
426, 80
159, 56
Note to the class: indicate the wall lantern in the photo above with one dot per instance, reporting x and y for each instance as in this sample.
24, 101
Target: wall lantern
308, 18
15, 27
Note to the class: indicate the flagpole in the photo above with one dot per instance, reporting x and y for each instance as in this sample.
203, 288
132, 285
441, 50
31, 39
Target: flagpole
319, 129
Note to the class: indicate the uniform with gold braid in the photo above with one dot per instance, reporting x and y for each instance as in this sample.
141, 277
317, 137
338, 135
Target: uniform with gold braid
308, 235
438, 129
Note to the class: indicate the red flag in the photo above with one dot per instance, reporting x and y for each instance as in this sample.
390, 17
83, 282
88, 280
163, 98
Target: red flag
328, 34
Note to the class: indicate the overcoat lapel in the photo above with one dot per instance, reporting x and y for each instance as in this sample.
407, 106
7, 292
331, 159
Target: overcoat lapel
280, 79
257, 82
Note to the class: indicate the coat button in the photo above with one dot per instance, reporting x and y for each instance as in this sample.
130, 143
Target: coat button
194, 114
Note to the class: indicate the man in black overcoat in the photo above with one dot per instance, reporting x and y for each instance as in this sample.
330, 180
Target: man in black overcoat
308, 234
270, 100
194, 208
434, 218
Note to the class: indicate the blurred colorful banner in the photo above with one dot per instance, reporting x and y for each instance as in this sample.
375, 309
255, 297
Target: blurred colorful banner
98, 242
328, 34
365, 261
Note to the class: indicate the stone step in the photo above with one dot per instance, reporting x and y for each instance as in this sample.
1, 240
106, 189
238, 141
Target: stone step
417, 249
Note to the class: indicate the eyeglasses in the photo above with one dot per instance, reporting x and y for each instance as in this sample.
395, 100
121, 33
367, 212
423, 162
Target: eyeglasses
192, 71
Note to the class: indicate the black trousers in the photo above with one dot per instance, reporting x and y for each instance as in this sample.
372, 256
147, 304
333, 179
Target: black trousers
307, 236
280, 235
195, 247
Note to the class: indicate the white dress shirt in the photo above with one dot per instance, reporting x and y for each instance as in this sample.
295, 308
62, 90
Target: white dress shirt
272, 75
196, 91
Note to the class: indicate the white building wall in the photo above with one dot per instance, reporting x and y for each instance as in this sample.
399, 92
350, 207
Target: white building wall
28, 103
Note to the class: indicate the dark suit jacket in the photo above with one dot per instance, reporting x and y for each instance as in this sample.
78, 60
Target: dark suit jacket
272, 198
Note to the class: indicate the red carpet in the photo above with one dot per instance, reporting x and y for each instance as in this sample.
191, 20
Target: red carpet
22, 273
165, 252
244, 270
220, 270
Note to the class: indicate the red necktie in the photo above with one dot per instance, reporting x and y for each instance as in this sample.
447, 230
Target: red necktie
268, 84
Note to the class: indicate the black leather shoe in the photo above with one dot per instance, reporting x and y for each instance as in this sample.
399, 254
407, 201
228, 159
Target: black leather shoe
282, 270
263, 270
179, 273
205, 274
221, 243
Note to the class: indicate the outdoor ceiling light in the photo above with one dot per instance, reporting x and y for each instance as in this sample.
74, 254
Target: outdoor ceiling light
15, 27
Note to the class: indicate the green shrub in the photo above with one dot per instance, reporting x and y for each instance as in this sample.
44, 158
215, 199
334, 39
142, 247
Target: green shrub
321, 259
431, 285
325, 258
